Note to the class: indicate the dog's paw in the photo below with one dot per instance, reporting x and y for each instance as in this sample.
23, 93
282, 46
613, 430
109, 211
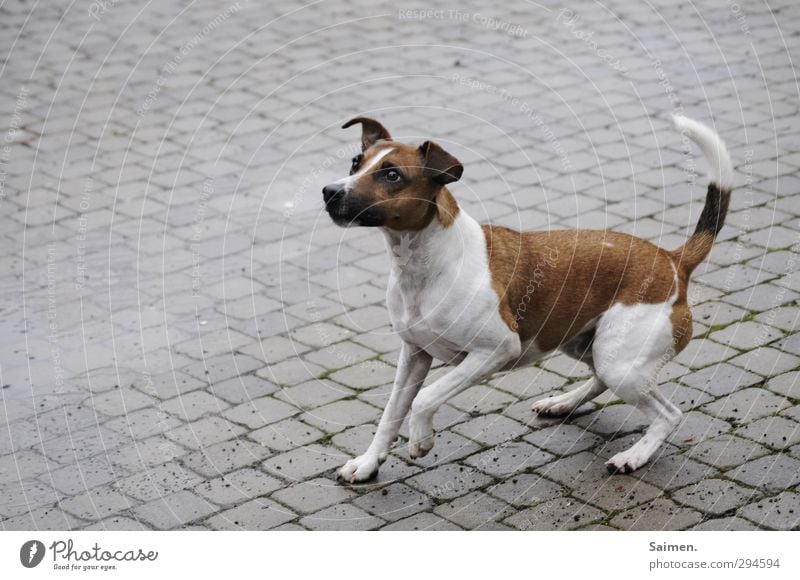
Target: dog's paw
625, 462
361, 468
420, 436
553, 407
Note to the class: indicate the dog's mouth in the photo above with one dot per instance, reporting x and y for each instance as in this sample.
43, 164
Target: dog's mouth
346, 213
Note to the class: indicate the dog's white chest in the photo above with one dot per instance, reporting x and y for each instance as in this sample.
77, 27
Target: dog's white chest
440, 296
418, 324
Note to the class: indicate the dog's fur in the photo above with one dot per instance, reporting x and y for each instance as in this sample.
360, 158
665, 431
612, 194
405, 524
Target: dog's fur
488, 298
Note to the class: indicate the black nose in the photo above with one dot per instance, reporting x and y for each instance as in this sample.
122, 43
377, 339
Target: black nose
332, 192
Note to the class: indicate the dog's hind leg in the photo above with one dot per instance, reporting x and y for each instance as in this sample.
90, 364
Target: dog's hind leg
579, 348
566, 403
631, 346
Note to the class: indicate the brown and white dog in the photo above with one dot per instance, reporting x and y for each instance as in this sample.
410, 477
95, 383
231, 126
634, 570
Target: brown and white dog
487, 298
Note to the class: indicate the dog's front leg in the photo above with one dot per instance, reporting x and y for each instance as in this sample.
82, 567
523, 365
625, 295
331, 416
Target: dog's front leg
412, 368
474, 368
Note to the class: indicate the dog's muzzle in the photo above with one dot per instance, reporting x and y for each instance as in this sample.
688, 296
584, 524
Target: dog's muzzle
332, 192
347, 211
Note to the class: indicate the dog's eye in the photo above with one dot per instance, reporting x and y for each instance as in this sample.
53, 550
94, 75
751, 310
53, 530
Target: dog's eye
393, 176
355, 164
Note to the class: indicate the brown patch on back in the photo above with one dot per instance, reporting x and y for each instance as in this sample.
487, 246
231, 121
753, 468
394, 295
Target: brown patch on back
553, 284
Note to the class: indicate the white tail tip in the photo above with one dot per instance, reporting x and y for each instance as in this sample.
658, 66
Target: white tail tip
720, 168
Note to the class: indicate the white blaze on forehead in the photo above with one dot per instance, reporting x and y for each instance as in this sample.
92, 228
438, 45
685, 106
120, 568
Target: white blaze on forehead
351, 179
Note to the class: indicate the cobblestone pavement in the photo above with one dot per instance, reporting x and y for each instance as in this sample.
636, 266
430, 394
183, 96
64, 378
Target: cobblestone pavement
188, 342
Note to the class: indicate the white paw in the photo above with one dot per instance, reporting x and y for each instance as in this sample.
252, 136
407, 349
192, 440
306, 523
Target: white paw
360, 469
420, 436
625, 462
553, 406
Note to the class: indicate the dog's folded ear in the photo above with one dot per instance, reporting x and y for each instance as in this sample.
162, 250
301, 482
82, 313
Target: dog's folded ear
371, 131
438, 164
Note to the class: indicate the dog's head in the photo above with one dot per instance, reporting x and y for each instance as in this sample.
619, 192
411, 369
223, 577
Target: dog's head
393, 185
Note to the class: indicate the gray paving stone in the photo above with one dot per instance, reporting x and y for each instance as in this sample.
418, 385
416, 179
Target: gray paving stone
481, 399
194, 405
321, 334
204, 432
717, 313
117, 523
726, 451
781, 512
85, 475
772, 472
257, 514
291, 372
504, 460
223, 367
557, 514
394, 502
143, 423
314, 394
724, 525
423, 521
767, 361
696, 427
365, 375
237, 487
491, 429
660, 514
41, 519
701, 353
785, 318
174, 510
146, 453
79, 445
528, 382
356, 439
260, 412
274, 349
719, 380
285, 435
526, 490
157, 482
242, 389
66, 419
224, 457
312, 495
563, 439
340, 415
474, 510
304, 462
120, 401
342, 517
449, 481
746, 405
97, 504
19, 497
714, 496
585, 475
23, 465
171, 384
775, 432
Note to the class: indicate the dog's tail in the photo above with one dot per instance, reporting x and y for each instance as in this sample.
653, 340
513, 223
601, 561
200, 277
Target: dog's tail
720, 174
